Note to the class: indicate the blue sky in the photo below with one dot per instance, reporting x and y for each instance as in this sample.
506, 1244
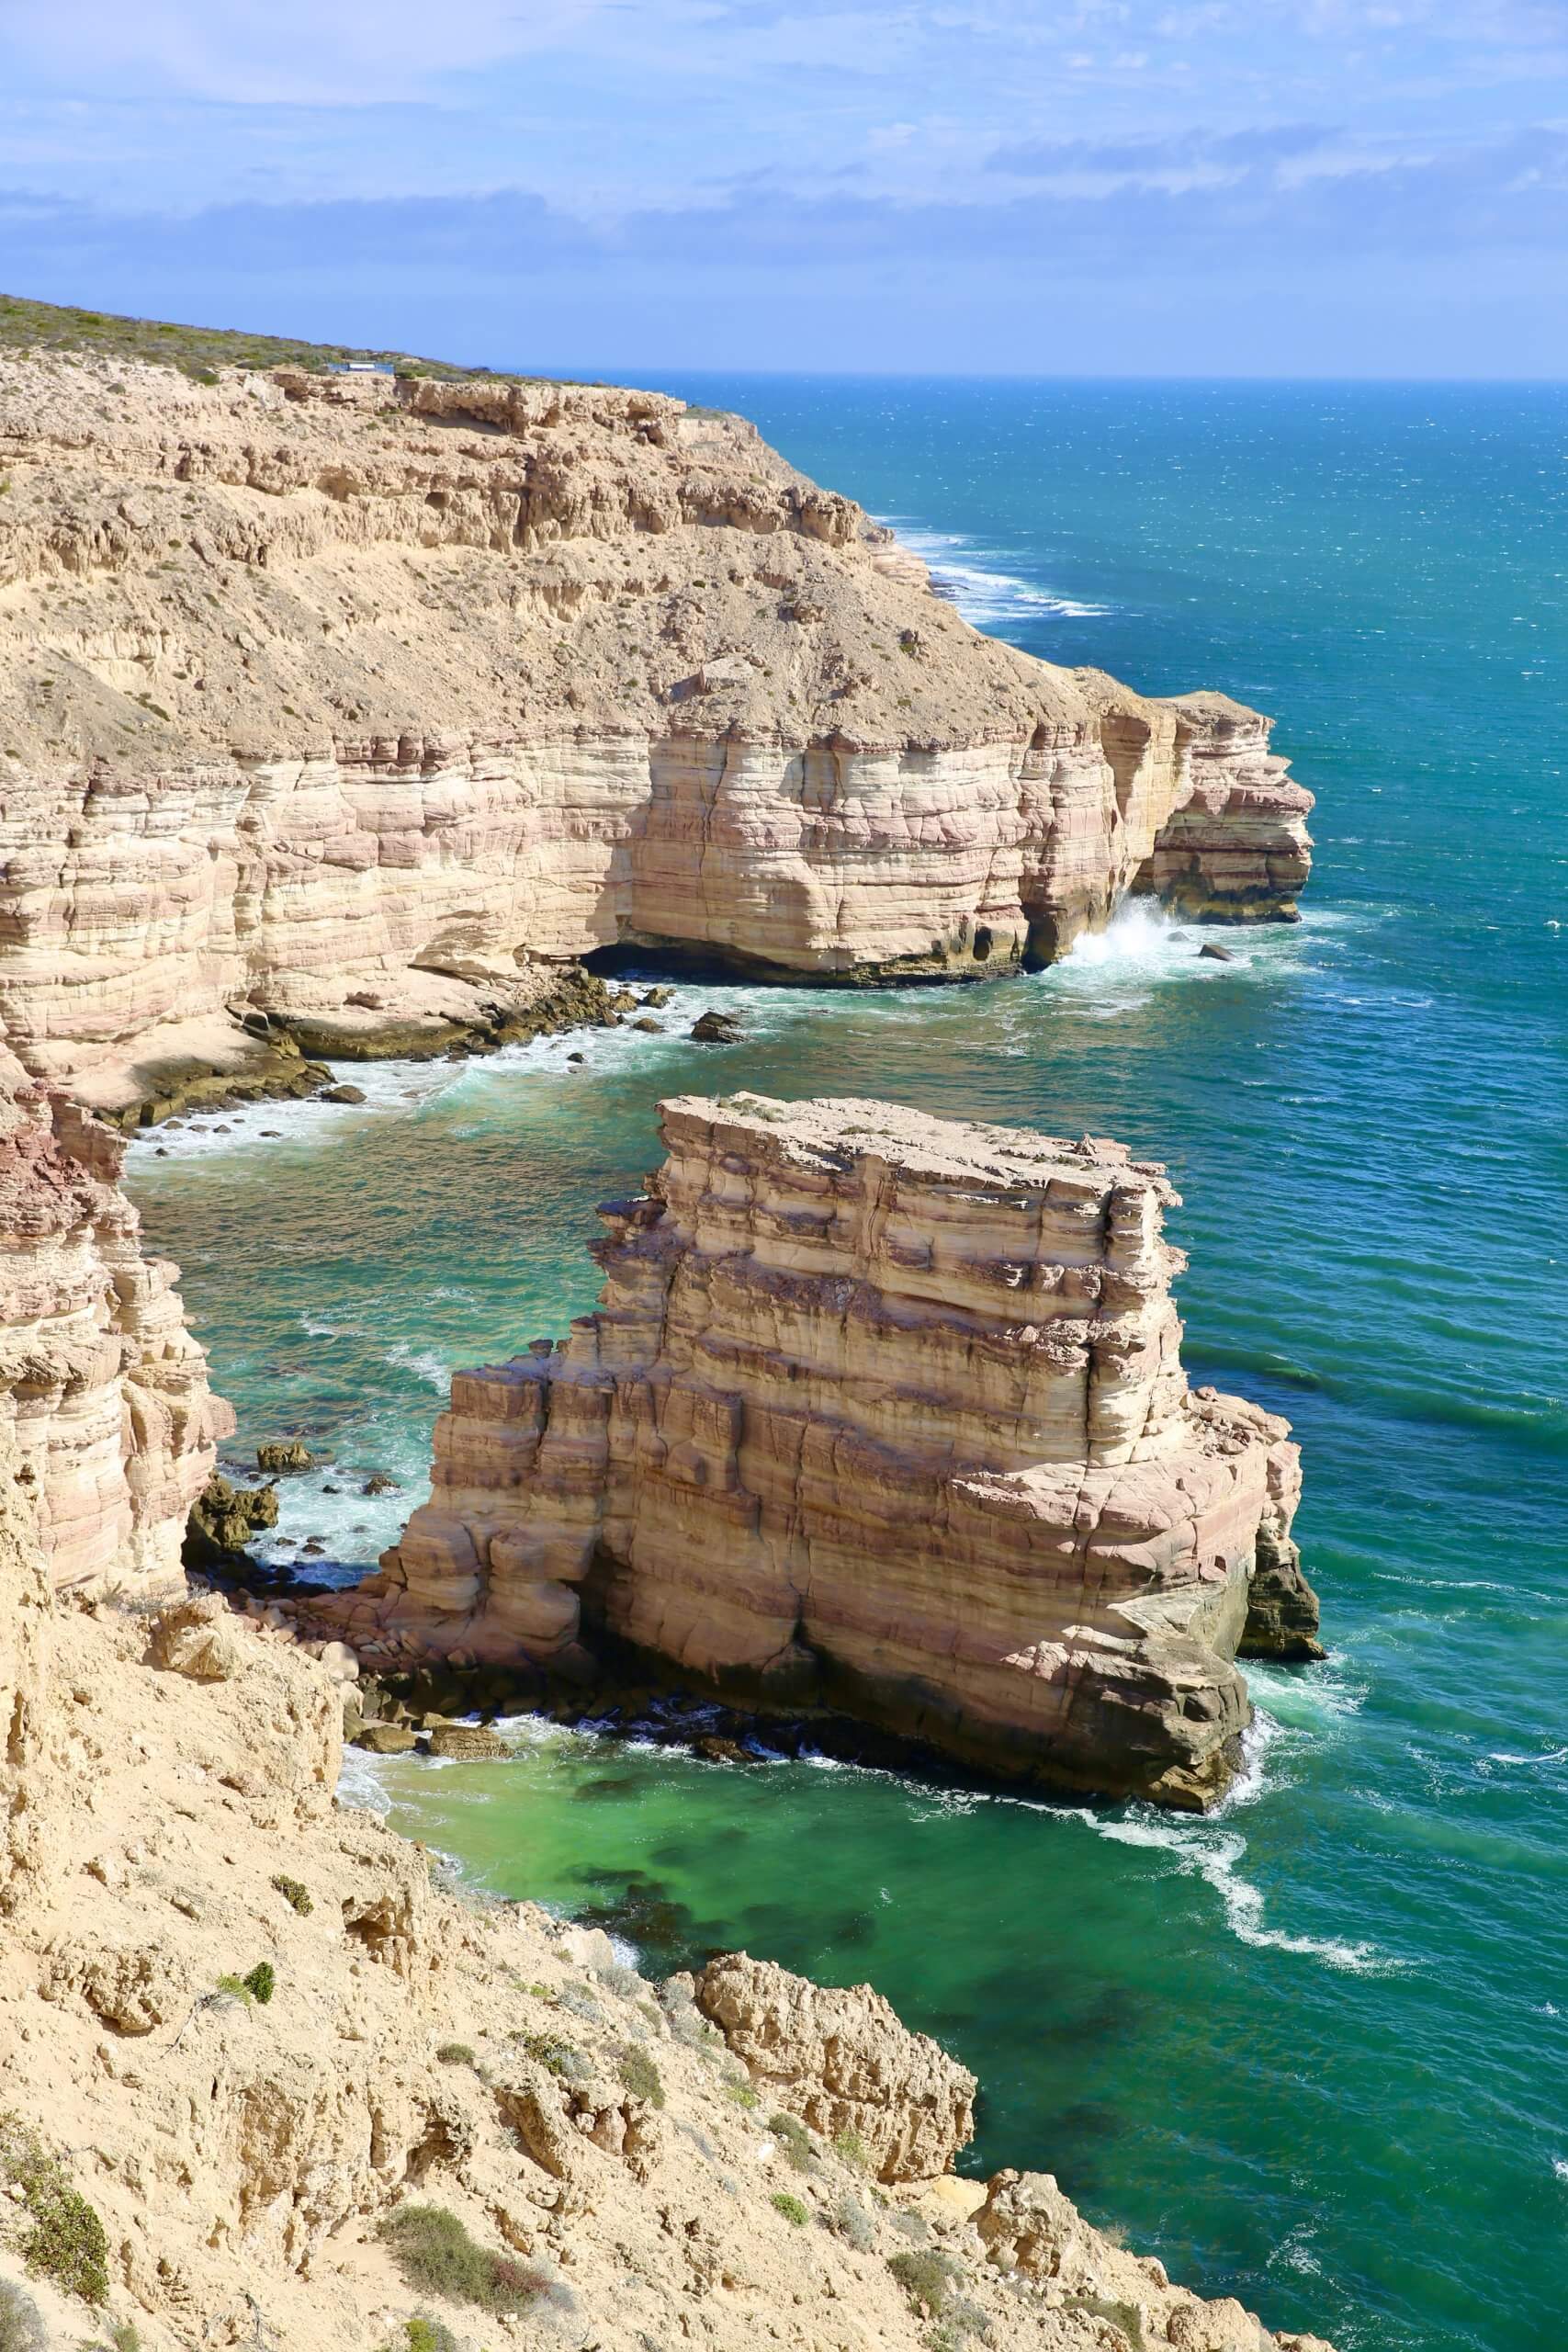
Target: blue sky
1100, 186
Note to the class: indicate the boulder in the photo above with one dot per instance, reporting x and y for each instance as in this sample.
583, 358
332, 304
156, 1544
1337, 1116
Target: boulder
387, 1740
717, 1029
468, 1742
284, 1454
197, 1638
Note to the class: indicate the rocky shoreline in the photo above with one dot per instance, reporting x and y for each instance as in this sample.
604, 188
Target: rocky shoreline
287, 1058
343, 718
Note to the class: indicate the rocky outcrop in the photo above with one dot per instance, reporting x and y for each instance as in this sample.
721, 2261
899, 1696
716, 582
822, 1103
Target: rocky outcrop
101, 1383
246, 2042
883, 1413
315, 690
165, 1827
842, 2062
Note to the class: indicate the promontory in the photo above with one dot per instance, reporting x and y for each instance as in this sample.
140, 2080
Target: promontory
344, 711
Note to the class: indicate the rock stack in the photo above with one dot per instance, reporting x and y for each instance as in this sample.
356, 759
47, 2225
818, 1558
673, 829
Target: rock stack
882, 1414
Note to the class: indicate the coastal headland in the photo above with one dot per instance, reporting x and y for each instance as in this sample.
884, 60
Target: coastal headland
351, 711
341, 715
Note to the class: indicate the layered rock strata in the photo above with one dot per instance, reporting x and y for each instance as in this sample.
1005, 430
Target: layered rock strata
321, 690
167, 1822
198, 2150
101, 1384
883, 1413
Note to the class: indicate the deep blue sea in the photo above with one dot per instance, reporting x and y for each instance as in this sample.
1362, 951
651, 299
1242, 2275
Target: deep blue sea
1314, 2050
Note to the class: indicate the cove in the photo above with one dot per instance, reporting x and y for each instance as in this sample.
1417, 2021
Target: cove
1311, 2051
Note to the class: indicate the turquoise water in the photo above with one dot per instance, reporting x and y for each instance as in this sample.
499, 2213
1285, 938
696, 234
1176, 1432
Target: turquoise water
1315, 2051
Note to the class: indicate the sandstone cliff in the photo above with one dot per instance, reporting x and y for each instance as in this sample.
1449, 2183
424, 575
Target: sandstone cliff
346, 698
101, 1385
266, 2085
884, 1413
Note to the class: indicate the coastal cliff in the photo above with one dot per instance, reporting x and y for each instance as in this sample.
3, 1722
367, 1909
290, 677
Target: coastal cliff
331, 705
884, 1414
105, 1392
267, 2083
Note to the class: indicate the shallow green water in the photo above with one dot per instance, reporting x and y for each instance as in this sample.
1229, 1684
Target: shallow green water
1315, 2051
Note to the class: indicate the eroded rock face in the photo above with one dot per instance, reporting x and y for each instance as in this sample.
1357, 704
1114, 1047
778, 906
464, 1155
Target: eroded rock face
1031, 2232
168, 1822
319, 696
841, 2061
115, 1425
885, 1413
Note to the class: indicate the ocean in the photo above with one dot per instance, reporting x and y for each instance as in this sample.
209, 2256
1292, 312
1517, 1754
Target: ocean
1311, 2050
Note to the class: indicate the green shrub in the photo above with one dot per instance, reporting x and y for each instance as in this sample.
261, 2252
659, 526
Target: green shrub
455, 2053
849, 2145
742, 2094
641, 2077
794, 2140
790, 2207
423, 2334
238, 1988
855, 2224
561, 2056
66, 2243
581, 2002
21, 2322
433, 2250
927, 2279
260, 1983
119, 2335
293, 1893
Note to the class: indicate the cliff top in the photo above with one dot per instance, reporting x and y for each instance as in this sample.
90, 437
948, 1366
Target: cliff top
197, 351
836, 1130
236, 562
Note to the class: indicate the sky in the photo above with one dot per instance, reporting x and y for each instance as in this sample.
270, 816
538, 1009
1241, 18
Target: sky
1088, 188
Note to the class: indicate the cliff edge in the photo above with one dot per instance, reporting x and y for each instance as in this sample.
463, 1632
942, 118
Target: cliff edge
884, 1414
267, 2085
334, 702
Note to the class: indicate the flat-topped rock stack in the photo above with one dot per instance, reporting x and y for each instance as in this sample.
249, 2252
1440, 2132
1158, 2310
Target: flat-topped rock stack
884, 1414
